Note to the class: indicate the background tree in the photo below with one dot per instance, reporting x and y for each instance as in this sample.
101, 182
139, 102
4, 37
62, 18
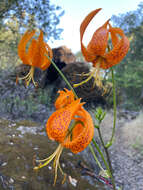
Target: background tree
79, 56
17, 16
129, 73
45, 15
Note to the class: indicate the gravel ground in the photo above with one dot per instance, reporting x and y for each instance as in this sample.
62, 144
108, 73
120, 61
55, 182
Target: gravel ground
127, 161
127, 170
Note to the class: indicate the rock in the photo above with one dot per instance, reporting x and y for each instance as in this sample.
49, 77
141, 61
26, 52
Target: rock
61, 57
87, 92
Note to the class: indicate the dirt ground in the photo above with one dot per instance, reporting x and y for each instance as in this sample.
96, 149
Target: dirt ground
127, 150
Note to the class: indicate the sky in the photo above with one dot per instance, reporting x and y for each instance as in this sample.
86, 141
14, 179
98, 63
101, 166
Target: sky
77, 10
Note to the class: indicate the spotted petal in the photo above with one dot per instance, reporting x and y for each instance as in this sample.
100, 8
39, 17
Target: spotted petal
82, 133
98, 44
46, 62
88, 57
22, 46
65, 97
31, 50
119, 50
114, 36
36, 53
58, 123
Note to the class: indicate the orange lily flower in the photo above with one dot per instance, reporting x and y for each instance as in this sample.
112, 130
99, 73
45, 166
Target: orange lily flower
35, 56
72, 127
98, 52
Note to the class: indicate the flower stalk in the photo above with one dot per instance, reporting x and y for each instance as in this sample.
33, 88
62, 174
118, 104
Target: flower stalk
114, 108
62, 75
108, 167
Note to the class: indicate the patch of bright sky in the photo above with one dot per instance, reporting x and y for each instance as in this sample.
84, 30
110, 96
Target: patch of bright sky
75, 12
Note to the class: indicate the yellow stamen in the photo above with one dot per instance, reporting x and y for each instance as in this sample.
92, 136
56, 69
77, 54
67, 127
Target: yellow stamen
95, 73
90, 74
97, 77
29, 77
64, 179
56, 156
56, 164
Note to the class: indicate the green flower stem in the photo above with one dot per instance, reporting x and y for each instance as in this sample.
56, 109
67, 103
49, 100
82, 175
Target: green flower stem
101, 154
62, 75
110, 170
95, 157
114, 106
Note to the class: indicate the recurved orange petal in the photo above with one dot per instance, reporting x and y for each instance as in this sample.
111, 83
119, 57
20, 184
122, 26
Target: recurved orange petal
83, 26
31, 50
22, 46
40, 60
82, 133
98, 44
58, 123
65, 97
119, 50
46, 62
49, 51
114, 36
39, 51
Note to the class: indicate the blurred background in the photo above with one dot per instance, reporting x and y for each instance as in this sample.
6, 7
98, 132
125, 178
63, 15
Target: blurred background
60, 20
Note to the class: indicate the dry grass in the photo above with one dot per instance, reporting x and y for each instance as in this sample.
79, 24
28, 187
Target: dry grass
128, 132
133, 132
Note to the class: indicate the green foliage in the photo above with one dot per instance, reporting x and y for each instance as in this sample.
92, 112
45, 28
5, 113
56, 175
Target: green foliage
5, 6
17, 16
9, 37
42, 96
130, 20
27, 105
129, 73
129, 83
129, 79
138, 145
136, 49
21, 106
79, 57
34, 14
99, 115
